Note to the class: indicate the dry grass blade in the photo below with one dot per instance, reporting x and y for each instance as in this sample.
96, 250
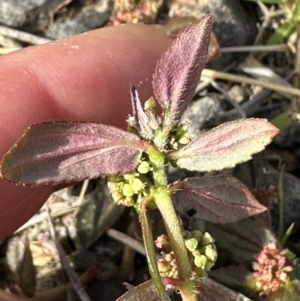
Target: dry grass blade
255, 48
22, 36
7, 50
250, 81
127, 240
73, 278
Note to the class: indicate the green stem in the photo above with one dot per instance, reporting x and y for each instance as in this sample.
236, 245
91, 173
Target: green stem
162, 198
150, 252
281, 204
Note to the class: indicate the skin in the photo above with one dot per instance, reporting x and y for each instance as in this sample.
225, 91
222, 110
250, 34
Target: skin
85, 77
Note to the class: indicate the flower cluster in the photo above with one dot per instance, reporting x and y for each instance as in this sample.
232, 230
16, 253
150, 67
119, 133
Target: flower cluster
167, 265
271, 269
128, 188
201, 249
180, 137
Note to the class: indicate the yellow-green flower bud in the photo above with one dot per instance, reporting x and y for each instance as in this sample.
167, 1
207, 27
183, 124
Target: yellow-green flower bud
144, 167
150, 104
191, 244
154, 154
211, 252
137, 185
129, 176
127, 190
182, 135
207, 239
198, 235
200, 261
185, 139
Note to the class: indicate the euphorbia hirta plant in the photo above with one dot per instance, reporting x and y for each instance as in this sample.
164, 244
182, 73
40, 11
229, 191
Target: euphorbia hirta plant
135, 162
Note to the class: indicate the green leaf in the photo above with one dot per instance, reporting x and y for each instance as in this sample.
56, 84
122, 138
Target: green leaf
296, 11
287, 234
226, 145
280, 33
280, 196
282, 120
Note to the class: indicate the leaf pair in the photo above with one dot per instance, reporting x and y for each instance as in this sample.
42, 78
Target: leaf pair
58, 151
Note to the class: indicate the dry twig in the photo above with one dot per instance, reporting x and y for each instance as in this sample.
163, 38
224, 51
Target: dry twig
73, 278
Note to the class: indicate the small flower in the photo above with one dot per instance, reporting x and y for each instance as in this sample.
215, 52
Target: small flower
167, 266
200, 261
211, 252
202, 251
191, 244
144, 167
162, 241
271, 269
207, 239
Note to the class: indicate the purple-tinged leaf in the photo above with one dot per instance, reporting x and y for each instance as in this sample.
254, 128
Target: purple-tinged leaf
242, 240
226, 145
179, 69
175, 25
212, 290
60, 151
141, 119
218, 199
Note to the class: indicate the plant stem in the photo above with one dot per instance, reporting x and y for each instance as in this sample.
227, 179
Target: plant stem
162, 198
150, 253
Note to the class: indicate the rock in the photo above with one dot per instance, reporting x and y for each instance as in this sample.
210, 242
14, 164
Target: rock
288, 138
30, 15
89, 18
199, 113
233, 25
237, 93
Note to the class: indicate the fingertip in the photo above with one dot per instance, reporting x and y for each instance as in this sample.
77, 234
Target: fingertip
86, 77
